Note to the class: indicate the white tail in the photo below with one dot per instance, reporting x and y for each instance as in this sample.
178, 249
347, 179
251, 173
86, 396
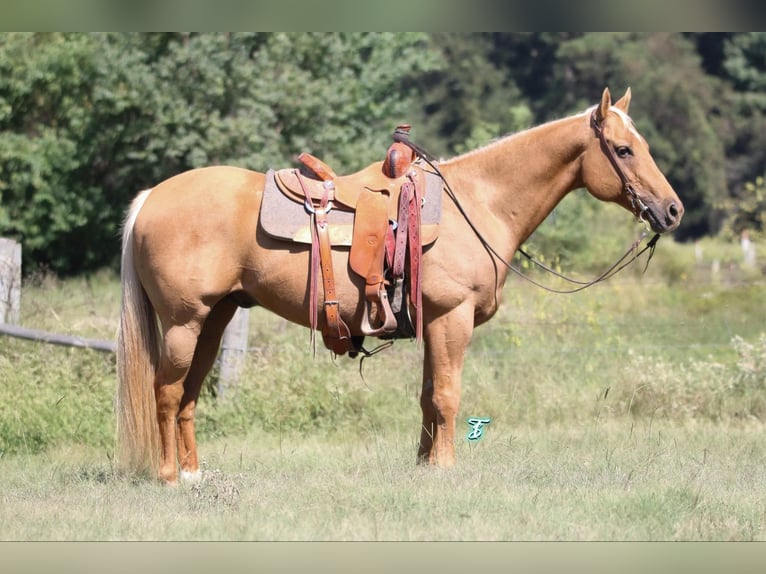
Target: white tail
138, 354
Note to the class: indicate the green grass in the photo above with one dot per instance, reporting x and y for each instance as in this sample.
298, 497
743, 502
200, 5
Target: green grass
615, 480
631, 411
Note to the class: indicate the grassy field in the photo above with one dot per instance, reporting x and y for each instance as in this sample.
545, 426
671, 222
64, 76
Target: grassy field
611, 480
631, 411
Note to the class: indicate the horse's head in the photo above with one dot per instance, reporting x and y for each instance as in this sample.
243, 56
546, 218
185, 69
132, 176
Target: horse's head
617, 166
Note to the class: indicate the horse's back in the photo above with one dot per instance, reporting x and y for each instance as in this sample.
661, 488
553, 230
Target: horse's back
192, 193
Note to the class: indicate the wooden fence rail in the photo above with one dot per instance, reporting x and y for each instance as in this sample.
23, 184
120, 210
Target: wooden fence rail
233, 348
56, 339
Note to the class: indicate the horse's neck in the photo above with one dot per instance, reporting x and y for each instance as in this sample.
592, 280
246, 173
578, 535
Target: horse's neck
521, 178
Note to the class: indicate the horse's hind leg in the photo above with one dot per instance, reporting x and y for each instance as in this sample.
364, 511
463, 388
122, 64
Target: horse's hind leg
204, 356
179, 342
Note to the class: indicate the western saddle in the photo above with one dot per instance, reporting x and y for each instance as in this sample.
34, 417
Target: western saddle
386, 200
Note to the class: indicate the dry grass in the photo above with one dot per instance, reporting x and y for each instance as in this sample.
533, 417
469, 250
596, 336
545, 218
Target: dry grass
616, 480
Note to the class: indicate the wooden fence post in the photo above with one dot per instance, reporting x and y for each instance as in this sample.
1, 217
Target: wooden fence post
233, 349
10, 280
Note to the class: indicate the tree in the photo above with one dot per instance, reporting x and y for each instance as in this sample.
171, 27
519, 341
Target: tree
747, 212
471, 98
744, 68
87, 120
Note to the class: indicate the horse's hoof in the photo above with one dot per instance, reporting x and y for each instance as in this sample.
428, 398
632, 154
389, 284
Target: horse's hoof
191, 477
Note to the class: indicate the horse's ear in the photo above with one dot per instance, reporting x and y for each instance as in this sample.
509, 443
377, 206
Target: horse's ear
603, 107
624, 102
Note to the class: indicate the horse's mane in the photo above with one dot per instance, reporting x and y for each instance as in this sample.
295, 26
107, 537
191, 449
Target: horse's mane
501, 140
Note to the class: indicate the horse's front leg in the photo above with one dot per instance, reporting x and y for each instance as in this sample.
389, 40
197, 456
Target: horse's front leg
446, 339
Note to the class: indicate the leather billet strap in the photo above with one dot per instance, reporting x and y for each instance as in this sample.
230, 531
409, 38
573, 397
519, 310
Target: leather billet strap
415, 253
336, 334
402, 223
408, 243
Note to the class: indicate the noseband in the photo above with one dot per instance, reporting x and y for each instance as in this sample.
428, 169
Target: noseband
640, 209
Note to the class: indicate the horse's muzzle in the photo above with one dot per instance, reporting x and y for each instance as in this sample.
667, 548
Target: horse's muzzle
664, 216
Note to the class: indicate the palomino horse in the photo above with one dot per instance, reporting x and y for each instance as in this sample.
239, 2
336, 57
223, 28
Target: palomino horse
193, 252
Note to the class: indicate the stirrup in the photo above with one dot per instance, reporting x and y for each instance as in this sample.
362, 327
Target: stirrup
383, 308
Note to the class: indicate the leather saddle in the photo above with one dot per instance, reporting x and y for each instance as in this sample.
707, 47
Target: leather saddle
382, 207
345, 191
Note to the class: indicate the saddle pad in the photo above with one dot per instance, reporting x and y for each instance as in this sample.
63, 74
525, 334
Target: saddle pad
283, 218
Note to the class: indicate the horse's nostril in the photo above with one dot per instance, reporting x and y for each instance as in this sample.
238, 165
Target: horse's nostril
673, 210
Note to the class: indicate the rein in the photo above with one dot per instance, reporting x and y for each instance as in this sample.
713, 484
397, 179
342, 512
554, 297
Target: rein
639, 208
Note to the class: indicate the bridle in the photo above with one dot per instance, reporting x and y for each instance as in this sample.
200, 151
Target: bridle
639, 210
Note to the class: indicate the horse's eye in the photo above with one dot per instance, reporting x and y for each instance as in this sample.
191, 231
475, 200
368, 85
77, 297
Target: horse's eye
624, 151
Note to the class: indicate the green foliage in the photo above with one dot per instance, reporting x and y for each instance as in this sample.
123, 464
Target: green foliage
745, 63
517, 118
43, 114
738, 60
701, 388
747, 212
53, 396
298, 396
339, 96
89, 119
466, 101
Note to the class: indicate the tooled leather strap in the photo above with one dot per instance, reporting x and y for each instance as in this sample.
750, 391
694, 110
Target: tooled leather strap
408, 241
416, 252
401, 229
390, 245
335, 333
